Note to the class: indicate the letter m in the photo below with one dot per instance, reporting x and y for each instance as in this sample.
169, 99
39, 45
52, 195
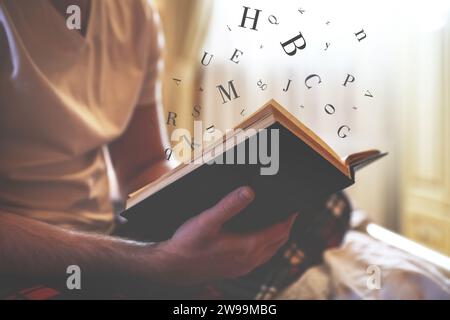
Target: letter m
226, 95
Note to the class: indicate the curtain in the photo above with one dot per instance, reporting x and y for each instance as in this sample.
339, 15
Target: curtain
185, 24
377, 63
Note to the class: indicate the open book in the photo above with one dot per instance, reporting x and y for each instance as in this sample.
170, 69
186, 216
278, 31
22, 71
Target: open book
307, 172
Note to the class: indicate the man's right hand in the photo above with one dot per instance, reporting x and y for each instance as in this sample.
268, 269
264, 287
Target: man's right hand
200, 250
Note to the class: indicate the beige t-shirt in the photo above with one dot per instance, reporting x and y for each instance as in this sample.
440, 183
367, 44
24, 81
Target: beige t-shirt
64, 96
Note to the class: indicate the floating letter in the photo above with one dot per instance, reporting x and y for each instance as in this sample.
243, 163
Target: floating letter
261, 85
210, 129
168, 153
273, 20
361, 35
295, 46
349, 79
236, 55
192, 144
288, 84
255, 18
330, 109
196, 112
204, 58
310, 77
343, 134
177, 81
227, 94
172, 116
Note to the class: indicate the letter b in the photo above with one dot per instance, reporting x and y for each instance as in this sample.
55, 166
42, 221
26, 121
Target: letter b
294, 45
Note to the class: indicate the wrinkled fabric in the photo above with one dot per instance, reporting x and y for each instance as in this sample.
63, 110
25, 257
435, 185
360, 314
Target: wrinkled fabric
348, 273
64, 96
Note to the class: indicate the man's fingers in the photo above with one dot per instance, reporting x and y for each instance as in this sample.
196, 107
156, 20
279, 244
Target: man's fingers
229, 206
264, 244
274, 233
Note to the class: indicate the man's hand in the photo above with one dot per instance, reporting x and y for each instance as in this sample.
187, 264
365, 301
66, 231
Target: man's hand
201, 251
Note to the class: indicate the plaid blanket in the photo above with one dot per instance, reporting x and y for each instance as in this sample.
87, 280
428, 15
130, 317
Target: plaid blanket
311, 235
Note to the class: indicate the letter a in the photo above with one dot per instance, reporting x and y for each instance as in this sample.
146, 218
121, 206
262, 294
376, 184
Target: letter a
74, 281
74, 20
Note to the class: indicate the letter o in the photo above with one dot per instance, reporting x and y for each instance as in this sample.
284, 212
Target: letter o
330, 109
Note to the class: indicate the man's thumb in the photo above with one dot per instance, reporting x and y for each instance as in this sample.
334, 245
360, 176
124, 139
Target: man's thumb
230, 205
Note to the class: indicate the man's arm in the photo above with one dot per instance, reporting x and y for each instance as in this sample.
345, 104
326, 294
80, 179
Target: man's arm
199, 251
138, 155
39, 251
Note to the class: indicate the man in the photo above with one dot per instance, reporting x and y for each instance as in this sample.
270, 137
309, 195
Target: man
64, 95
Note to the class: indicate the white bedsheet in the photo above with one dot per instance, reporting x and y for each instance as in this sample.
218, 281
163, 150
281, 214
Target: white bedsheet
350, 272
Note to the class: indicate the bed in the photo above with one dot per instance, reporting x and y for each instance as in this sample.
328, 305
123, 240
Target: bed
374, 263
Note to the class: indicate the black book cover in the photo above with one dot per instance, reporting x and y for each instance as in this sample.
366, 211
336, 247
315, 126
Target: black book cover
303, 181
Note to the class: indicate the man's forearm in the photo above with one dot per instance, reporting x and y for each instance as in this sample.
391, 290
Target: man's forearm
40, 251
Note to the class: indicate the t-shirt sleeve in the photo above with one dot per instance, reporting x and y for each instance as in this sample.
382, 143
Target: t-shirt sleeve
4, 46
151, 86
